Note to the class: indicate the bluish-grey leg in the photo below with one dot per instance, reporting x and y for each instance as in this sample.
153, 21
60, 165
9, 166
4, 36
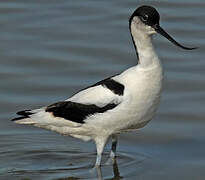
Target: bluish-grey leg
114, 146
100, 144
113, 150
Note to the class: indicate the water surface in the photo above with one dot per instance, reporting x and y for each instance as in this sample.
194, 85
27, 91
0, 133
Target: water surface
50, 49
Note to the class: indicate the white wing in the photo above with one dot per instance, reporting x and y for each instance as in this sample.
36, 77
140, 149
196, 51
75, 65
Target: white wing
99, 98
98, 95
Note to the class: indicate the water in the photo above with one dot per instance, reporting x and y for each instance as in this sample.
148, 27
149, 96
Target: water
50, 49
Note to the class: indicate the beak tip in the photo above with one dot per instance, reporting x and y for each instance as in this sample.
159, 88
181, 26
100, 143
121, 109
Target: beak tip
159, 30
191, 48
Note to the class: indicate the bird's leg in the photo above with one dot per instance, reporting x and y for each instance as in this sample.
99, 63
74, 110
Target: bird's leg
98, 159
100, 144
114, 146
112, 157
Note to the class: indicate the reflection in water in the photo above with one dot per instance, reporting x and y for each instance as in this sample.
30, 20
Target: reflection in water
66, 164
69, 178
50, 50
70, 165
98, 170
116, 173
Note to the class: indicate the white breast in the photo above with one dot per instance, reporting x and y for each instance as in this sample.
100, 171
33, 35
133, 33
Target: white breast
142, 90
147, 94
141, 96
139, 102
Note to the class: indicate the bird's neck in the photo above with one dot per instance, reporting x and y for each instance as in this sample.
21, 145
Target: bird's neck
145, 50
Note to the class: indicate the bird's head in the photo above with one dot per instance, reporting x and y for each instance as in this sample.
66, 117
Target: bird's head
146, 19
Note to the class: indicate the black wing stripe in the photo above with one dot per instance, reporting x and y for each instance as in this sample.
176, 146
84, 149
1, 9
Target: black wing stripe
113, 85
109, 83
76, 112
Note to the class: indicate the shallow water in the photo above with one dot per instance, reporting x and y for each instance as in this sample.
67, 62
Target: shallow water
50, 49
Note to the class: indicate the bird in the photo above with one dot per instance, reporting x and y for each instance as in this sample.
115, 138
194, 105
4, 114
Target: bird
123, 102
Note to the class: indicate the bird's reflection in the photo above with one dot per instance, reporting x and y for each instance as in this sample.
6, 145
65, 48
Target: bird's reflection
97, 171
116, 173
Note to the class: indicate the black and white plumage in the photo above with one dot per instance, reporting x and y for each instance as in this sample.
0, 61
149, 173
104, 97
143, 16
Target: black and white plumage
123, 102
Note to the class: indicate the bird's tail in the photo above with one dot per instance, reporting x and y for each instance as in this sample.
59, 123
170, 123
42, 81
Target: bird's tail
42, 119
25, 117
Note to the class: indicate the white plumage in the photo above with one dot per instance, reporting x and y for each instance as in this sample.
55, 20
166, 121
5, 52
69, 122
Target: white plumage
124, 102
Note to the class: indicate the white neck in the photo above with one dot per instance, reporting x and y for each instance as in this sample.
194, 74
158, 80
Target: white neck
144, 47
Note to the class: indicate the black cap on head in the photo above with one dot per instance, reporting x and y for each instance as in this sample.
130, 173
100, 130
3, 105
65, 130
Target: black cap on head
149, 16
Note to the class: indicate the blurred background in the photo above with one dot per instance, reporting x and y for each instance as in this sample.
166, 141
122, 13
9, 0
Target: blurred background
50, 49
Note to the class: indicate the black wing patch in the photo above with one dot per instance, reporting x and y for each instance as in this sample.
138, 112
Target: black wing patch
76, 112
112, 85
109, 83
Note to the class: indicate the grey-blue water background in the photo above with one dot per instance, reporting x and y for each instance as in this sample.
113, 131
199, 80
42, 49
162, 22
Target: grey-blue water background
50, 49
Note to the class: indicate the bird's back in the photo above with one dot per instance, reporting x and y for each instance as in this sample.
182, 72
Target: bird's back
139, 102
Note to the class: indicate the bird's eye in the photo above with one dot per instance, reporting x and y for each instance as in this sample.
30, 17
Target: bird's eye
144, 18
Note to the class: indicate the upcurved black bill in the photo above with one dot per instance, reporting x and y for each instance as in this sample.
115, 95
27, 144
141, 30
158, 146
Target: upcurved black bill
166, 35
